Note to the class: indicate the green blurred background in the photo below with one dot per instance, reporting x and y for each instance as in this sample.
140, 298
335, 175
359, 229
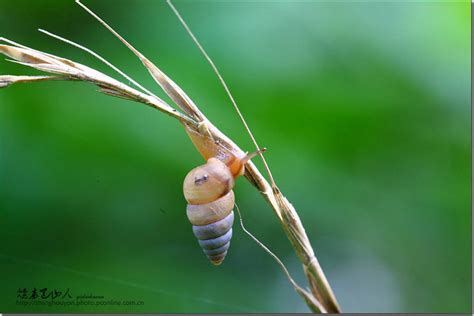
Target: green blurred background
365, 110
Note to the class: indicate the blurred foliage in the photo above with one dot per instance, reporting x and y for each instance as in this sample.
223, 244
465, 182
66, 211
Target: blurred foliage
365, 110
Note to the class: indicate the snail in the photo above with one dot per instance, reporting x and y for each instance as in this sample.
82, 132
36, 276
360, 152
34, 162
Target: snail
208, 191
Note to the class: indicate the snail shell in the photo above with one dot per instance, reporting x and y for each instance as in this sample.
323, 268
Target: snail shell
208, 190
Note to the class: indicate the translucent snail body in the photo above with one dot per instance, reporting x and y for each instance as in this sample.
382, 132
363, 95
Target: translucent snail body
208, 191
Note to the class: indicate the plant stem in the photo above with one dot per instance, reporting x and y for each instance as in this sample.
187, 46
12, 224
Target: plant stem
196, 125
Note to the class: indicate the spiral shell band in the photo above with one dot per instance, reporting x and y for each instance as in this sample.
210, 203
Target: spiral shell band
217, 251
216, 229
208, 244
203, 214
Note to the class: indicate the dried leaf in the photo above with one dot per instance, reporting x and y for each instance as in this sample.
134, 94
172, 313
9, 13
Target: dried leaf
70, 70
26, 55
9, 80
171, 88
114, 93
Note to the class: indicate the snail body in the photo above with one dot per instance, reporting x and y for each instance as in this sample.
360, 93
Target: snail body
208, 191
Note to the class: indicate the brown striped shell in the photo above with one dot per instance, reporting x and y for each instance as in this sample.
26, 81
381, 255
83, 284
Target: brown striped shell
208, 190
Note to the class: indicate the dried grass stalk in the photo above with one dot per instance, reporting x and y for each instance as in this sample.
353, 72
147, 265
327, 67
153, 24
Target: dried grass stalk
320, 298
69, 70
8, 80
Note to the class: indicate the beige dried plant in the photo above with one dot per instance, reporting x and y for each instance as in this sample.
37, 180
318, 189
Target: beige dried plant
207, 138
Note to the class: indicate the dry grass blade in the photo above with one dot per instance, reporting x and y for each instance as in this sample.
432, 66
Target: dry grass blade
226, 88
9, 80
99, 58
27, 56
168, 85
313, 303
296, 233
70, 70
